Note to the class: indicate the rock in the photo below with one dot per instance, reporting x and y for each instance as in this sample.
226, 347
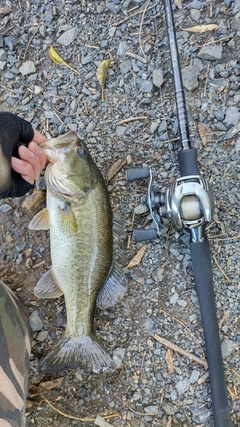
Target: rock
118, 356
101, 422
68, 37
169, 408
3, 55
158, 77
174, 298
11, 41
182, 386
5, 207
28, 67
122, 48
232, 116
154, 126
141, 209
121, 130
114, 8
152, 409
194, 376
42, 336
237, 145
233, 131
190, 77
86, 59
211, 52
35, 321
228, 347
144, 85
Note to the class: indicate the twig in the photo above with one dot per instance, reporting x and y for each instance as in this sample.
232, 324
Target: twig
38, 264
140, 28
216, 41
115, 24
181, 350
205, 86
181, 323
72, 417
133, 74
35, 32
139, 413
137, 57
131, 119
224, 238
222, 271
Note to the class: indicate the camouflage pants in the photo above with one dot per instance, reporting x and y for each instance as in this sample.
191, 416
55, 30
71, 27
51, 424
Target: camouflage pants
15, 346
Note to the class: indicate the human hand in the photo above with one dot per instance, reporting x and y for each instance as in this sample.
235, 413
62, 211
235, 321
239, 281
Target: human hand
19, 149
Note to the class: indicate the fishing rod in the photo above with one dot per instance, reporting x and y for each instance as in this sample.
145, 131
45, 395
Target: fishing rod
188, 203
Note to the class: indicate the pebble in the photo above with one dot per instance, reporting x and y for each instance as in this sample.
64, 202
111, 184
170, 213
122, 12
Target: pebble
228, 347
141, 209
120, 130
118, 356
190, 77
35, 321
182, 386
232, 116
42, 336
211, 52
174, 298
5, 207
158, 77
28, 67
122, 48
68, 36
101, 422
145, 85
194, 376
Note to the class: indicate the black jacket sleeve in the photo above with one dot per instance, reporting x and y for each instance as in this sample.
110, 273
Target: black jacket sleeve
14, 132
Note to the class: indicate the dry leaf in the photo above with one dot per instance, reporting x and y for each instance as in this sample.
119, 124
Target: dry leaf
204, 132
45, 386
169, 361
202, 28
102, 73
137, 259
115, 168
55, 57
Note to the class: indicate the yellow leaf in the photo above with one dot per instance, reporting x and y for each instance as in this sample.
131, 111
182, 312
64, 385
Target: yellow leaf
137, 259
202, 28
55, 57
102, 73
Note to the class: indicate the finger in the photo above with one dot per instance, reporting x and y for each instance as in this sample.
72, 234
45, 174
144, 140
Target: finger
24, 168
35, 156
35, 149
38, 137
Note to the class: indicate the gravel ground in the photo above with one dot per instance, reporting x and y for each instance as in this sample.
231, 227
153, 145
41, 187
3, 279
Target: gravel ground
146, 389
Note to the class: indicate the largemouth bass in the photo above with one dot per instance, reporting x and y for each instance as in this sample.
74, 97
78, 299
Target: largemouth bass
80, 220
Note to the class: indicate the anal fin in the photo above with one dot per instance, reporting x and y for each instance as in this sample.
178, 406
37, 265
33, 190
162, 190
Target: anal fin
113, 289
47, 287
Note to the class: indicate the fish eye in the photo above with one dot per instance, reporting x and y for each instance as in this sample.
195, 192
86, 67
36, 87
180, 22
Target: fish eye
82, 152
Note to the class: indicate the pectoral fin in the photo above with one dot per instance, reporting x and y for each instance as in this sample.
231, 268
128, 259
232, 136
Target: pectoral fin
67, 218
113, 289
47, 286
40, 221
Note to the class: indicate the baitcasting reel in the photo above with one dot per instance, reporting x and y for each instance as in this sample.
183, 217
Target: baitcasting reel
188, 203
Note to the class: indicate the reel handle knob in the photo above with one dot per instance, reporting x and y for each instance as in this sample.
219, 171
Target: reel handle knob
137, 173
142, 234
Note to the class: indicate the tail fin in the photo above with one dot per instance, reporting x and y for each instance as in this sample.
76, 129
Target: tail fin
84, 352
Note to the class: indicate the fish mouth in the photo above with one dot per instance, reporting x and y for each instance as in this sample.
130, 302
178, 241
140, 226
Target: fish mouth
62, 144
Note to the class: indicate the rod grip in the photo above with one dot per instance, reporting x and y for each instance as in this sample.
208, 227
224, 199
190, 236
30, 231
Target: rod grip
140, 235
188, 163
202, 270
